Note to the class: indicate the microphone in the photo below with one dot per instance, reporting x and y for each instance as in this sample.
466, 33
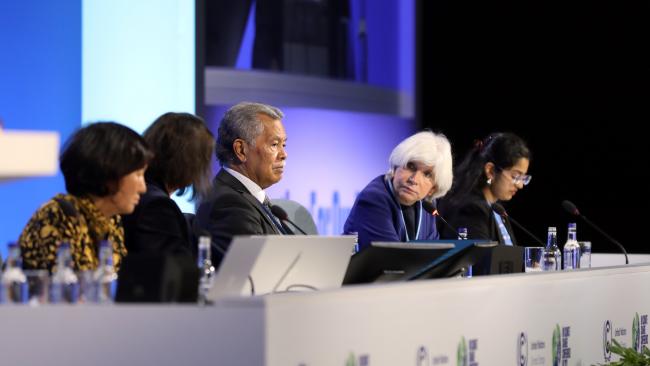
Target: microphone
569, 207
433, 211
281, 214
502, 212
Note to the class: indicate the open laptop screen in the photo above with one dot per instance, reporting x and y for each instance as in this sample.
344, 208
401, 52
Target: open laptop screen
279, 263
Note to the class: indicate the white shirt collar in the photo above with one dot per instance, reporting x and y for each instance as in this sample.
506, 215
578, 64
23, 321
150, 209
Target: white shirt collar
251, 186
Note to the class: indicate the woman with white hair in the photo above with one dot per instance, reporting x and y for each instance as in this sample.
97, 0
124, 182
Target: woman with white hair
390, 207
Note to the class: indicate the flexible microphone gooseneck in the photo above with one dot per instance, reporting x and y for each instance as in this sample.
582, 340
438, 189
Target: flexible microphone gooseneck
281, 214
428, 207
569, 207
502, 212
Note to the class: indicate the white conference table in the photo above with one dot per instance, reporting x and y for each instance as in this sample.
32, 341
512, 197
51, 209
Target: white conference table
498, 320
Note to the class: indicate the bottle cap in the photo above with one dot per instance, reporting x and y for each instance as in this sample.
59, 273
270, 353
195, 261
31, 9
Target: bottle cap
204, 241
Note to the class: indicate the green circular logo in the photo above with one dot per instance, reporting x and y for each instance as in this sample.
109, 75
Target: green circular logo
636, 335
352, 360
556, 346
462, 358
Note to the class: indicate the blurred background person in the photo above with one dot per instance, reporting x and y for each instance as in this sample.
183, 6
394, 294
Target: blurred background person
390, 208
493, 171
103, 165
183, 147
298, 36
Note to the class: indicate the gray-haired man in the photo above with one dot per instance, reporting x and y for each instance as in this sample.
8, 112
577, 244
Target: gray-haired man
251, 150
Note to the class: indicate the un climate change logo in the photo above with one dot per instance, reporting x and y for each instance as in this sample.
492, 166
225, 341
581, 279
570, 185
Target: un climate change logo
462, 358
522, 349
556, 346
636, 334
607, 340
351, 360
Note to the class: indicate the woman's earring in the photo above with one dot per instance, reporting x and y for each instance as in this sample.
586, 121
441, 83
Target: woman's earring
489, 181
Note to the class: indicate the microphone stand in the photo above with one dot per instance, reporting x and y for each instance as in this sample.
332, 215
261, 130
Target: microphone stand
435, 213
501, 211
520, 226
601, 232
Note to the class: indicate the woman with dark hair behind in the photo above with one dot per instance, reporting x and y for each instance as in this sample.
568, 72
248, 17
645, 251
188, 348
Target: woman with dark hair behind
183, 147
103, 165
494, 170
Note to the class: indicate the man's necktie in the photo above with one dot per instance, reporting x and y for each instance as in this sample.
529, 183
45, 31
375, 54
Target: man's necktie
266, 205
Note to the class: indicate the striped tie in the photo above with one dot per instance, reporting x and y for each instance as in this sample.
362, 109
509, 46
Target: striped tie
266, 205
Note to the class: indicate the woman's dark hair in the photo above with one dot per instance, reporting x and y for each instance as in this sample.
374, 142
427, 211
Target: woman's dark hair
95, 157
183, 147
502, 149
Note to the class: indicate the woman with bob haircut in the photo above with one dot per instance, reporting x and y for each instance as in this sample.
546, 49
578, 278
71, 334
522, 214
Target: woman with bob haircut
103, 165
183, 147
390, 208
494, 170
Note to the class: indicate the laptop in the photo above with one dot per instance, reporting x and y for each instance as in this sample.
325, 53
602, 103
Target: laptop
260, 265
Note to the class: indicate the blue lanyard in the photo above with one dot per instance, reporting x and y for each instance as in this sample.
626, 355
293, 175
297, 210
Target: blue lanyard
406, 232
505, 235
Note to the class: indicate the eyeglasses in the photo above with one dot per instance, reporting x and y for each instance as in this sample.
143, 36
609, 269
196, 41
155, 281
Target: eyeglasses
518, 178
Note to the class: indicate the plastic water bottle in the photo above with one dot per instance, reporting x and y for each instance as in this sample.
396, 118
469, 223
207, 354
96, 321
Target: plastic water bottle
14, 282
206, 268
572, 249
552, 257
462, 233
104, 277
65, 284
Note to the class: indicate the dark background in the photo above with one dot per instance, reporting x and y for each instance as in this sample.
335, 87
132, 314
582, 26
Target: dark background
572, 78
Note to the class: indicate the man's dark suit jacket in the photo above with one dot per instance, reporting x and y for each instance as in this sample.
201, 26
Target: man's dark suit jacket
474, 213
231, 210
157, 226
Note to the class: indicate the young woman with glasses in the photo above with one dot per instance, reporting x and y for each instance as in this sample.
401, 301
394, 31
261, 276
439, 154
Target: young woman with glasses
494, 170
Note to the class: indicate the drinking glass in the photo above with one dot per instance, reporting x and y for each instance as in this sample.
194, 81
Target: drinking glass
38, 285
585, 254
533, 259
